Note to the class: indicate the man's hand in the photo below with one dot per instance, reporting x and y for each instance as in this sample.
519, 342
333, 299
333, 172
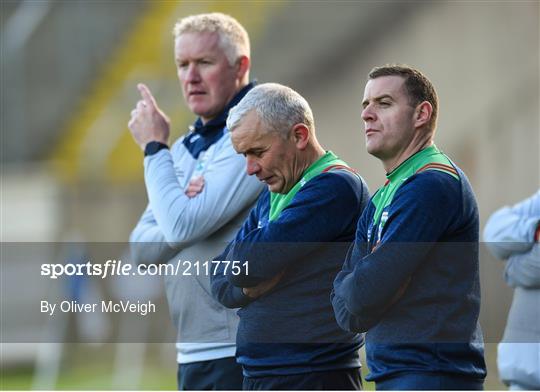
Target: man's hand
195, 187
148, 123
264, 287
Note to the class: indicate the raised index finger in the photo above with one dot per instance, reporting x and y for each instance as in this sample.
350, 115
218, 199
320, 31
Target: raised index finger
147, 95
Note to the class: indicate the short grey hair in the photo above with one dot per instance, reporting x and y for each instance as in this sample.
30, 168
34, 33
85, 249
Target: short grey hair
278, 107
233, 38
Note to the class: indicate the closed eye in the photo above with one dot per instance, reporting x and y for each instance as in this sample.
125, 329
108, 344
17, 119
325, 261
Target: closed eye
255, 153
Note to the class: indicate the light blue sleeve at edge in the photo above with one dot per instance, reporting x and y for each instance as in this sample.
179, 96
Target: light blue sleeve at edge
510, 230
523, 270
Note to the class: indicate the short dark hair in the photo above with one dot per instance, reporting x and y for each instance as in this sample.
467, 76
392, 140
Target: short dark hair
417, 86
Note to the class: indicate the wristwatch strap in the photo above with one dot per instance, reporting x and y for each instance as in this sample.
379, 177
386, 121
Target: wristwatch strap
153, 147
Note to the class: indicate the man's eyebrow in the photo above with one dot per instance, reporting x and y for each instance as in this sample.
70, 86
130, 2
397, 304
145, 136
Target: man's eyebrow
377, 99
384, 96
200, 56
254, 150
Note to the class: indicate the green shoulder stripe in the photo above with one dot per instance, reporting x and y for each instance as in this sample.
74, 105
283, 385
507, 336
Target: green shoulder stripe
429, 158
279, 201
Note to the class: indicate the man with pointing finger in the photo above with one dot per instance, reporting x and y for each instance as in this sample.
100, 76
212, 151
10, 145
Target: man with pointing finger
198, 192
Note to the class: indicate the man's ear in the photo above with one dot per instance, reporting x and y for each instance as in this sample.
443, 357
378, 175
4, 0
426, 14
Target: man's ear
300, 134
422, 114
243, 63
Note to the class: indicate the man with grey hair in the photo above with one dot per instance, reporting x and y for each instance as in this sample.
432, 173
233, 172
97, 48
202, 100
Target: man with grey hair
290, 248
198, 194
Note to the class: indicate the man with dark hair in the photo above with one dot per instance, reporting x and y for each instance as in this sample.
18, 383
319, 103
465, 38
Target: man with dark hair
411, 280
418, 87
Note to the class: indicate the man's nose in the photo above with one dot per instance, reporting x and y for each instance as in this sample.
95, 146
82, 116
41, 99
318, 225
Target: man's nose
252, 167
192, 74
368, 114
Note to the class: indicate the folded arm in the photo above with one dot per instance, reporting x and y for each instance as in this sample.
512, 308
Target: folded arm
315, 216
227, 191
372, 282
173, 220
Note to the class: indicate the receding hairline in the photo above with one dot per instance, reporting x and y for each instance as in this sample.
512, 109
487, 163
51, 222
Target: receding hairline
263, 127
233, 37
217, 42
278, 108
242, 119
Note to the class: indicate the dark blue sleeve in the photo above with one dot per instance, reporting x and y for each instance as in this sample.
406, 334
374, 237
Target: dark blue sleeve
324, 210
223, 291
421, 212
358, 250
